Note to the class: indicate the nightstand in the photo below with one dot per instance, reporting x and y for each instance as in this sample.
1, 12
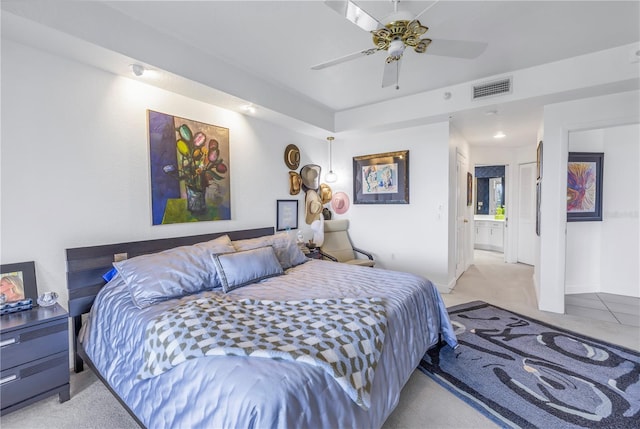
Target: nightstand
314, 254
34, 356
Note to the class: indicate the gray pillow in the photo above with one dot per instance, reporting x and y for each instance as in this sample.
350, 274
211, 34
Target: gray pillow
172, 273
287, 250
245, 267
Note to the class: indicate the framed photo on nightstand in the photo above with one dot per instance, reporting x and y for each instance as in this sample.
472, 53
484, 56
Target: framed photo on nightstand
18, 282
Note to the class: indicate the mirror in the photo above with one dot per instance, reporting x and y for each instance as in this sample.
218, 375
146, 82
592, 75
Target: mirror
490, 187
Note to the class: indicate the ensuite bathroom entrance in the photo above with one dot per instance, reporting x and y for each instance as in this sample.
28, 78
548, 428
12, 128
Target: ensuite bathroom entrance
489, 212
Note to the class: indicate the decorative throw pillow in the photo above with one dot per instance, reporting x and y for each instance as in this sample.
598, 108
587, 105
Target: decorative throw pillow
287, 250
245, 267
172, 273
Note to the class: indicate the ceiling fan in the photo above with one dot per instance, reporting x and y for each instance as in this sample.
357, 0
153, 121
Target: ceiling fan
399, 31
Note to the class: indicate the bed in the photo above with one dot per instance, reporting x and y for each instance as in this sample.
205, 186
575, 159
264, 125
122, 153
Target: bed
135, 324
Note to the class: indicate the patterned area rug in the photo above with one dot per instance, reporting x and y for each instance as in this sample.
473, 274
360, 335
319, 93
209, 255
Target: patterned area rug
521, 372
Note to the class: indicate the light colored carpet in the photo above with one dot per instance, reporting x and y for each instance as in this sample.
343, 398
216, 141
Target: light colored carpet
91, 406
423, 403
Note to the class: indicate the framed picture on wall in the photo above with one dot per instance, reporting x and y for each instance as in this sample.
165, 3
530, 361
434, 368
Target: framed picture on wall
381, 178
190, 170
286, 215
584, 186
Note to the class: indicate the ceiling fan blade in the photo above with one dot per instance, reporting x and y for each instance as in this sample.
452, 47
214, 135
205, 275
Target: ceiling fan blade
346, 58
391, 73
355, 14
456, 48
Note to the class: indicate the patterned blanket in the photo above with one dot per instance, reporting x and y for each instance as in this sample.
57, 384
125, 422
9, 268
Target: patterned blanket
344, 337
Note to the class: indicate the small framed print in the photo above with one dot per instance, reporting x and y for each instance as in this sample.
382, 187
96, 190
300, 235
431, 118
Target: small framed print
287, 215
18, 282
381, 178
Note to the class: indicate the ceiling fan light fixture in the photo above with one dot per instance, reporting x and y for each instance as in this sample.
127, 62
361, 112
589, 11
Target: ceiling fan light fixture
396, 48
330, 177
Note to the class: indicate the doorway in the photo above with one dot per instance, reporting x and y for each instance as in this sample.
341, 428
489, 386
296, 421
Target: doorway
490, 219
463, 210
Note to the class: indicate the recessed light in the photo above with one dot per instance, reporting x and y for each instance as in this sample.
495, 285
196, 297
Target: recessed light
499, 135
137, 69
491, 112
249, 108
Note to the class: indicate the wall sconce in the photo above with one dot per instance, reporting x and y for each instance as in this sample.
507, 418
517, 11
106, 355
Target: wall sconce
330, 177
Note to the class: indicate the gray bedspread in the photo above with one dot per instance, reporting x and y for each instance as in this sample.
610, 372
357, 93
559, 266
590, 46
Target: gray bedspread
241, 391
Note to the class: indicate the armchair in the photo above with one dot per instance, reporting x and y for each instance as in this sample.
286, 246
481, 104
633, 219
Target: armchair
337, 245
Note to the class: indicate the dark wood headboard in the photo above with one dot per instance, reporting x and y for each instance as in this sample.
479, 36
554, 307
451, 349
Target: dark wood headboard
86, 265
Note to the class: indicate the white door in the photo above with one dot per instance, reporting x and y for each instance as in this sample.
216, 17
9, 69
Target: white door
527, 213
462, 221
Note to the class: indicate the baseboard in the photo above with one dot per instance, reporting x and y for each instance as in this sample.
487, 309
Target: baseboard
573, 289
536, 288
446, 288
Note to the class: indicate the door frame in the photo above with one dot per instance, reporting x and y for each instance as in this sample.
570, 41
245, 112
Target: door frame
463, 221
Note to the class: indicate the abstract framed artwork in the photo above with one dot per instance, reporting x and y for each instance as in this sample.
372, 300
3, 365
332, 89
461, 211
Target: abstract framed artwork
18, 282
381, 178
286, 214
584, 186
190, 172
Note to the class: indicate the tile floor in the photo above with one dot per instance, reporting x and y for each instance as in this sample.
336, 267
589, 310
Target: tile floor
604, 306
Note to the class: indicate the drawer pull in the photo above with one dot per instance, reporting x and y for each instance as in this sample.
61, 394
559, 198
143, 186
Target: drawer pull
8, 342
8, 379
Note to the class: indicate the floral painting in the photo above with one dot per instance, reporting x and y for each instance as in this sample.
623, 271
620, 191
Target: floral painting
584, 186
189, 170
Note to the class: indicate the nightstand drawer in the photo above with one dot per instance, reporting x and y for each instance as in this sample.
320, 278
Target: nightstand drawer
31, 379
34, 342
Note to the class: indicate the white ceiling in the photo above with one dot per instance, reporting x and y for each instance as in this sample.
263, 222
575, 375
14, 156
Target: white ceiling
275, 44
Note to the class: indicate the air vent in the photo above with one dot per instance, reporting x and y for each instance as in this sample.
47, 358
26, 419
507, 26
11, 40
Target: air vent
502, 86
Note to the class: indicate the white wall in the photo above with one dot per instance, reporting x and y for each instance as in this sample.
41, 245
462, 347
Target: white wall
75, 162
603, 256
75, 171
559, 121
413, 237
